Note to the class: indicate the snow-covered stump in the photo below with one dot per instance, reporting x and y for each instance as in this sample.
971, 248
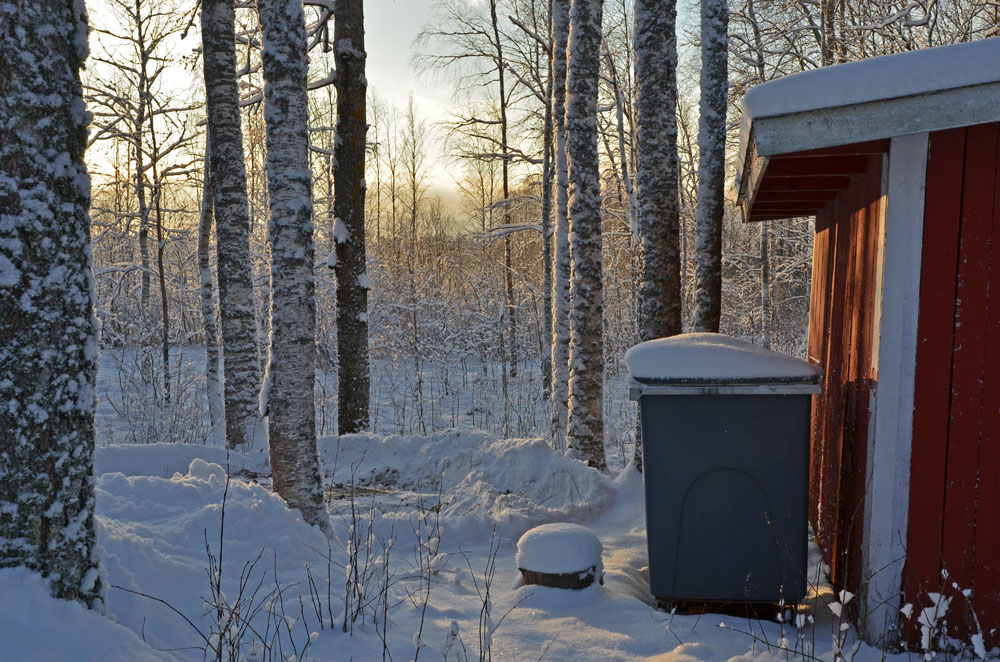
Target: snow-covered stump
561, 556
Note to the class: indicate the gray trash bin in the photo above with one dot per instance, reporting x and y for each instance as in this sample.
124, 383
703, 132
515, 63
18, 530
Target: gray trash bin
725, 438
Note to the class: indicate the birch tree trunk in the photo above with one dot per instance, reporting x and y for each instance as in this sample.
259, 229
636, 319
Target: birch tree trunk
48, 332
291, 364
585, 423
560, 259
241, 363
657, 172
711, 164
349, 208
213, 383
658, 204
546, 227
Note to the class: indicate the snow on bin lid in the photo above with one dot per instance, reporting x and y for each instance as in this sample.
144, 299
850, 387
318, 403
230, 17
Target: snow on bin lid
559, 548
875, 79
713, 358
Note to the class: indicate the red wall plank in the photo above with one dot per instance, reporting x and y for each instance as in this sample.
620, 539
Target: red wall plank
932, 392
958, 544
986, 592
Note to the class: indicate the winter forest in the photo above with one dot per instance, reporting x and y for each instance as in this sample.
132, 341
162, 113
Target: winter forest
290, 365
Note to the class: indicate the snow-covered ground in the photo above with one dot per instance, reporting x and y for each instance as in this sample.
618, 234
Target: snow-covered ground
449, 507
424, 569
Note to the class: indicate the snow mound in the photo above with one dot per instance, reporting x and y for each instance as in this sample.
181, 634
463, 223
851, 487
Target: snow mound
35, 627
559, 549
513, 484
152, 534
712, 356
164, 460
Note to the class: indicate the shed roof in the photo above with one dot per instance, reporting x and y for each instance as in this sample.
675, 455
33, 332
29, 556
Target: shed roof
844, 112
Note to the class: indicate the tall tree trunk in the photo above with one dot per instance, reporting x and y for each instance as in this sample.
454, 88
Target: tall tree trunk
240, 360
508, 261
291, 369
161, 273
213, 383
585, 423
657, 172
711, 164
546, 227
765, 285
657, 176
349, 207
560, 258
49, 334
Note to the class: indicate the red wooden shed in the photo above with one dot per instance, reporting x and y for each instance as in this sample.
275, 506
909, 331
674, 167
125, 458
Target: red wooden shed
898, 159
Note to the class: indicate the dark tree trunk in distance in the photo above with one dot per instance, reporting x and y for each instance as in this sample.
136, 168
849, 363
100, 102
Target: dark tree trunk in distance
349, 209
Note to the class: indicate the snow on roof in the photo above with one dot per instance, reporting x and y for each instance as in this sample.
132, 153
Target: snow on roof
712, 357
877, 79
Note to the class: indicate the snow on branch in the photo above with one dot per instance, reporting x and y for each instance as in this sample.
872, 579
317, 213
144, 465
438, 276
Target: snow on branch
903, 16
535, 92
501, 231
531, 33
329, 79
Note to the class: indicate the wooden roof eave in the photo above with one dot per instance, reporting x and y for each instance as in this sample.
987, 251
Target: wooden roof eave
762, 138
749, 169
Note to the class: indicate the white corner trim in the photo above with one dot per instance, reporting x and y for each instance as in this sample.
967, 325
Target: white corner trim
891, 420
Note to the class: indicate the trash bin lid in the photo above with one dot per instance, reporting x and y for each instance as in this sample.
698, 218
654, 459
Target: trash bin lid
712, 362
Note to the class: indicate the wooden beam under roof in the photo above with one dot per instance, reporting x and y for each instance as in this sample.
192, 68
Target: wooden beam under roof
794, 196
812, 183
784, 166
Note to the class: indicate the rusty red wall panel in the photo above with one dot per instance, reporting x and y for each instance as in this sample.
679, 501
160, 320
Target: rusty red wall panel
830, 430
848, 240
932, 389
823, 245
861, 373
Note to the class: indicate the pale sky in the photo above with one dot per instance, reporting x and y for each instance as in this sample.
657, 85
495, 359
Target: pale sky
391, 26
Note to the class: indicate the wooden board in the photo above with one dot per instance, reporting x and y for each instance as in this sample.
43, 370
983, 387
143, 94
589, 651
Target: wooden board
986, 592
935, 332
961, 477
841, 332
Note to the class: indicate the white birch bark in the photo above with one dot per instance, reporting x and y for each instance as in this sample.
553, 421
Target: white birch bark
658, 199
349, 208
291, 370
546, 227
48, 332
585, 423
241, 363
213, 383
561, 261
711, 164
657, 171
